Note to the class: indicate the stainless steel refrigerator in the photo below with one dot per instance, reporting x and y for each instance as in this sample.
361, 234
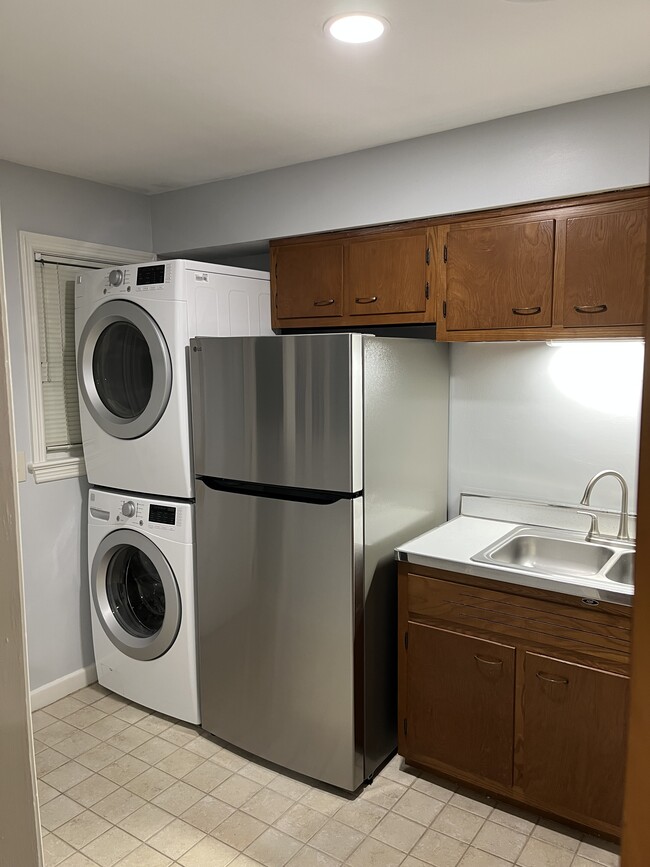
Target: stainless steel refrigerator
315, 455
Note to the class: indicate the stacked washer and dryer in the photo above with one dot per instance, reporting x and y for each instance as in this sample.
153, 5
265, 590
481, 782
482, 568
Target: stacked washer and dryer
133, 326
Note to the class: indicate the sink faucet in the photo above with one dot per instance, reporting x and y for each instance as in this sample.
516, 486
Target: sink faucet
623, 532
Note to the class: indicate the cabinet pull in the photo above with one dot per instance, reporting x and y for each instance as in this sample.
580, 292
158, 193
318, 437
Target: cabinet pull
594, 308
526, 311
369, 300
552, 678
488, 660
325, 303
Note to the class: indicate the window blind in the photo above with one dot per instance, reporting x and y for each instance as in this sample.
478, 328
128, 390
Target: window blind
55, 295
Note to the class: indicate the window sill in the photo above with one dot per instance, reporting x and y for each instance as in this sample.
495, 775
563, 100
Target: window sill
58, 468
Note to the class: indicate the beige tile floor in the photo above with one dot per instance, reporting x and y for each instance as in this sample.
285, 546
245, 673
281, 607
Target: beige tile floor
119, 785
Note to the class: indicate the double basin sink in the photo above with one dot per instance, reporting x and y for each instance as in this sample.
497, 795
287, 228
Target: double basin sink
557, 553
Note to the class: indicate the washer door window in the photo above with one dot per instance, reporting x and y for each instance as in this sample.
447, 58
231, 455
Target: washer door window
124, 369
135, 594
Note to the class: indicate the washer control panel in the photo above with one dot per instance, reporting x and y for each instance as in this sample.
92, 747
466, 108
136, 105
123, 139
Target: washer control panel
161, 518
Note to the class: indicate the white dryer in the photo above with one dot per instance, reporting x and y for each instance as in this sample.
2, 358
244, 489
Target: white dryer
141, 568
133, 325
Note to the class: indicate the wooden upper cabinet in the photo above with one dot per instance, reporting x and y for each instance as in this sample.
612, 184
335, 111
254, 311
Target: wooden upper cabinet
499, 275
369, 278
311, 280
569, 268
460, 702
386, 274
574, 735
604, 266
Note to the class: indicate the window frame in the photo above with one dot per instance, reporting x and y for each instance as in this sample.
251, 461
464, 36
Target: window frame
61, 465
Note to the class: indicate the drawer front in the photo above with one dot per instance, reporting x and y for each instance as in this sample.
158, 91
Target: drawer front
533, 621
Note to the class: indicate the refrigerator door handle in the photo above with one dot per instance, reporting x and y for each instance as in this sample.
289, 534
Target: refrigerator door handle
276, 492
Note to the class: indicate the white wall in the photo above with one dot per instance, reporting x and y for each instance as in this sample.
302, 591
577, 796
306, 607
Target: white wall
538, 421
580, 147
56, 593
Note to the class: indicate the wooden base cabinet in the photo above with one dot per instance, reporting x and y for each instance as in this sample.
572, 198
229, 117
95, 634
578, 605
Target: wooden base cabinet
573, 737
522, 693
476, 687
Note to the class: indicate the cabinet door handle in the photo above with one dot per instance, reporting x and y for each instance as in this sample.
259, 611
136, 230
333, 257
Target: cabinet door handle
526, 311
594, 308
552, 678
369, 300
324, 303
488, 660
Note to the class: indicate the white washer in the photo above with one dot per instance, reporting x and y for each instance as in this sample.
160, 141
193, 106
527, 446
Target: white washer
141, 568
133, 325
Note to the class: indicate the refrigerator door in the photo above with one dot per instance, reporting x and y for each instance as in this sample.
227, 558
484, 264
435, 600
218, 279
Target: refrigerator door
279, 601
283, 411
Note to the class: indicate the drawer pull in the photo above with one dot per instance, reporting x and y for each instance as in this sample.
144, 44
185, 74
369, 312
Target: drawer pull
594, 308
526, 311
487, 660
325, 303
552, 678
369, 300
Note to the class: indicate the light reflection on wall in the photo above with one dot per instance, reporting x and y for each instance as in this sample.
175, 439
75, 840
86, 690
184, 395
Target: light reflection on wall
603, 375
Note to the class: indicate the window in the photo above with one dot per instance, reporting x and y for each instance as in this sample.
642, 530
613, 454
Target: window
49, 269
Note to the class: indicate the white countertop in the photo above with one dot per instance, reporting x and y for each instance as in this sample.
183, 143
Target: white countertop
451, 546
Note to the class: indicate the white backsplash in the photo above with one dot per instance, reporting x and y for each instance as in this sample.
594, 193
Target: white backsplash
538, 421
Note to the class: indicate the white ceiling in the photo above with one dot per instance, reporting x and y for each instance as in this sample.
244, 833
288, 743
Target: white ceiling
154, 95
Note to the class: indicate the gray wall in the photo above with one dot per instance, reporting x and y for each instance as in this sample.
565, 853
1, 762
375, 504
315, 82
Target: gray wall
580, 147
532, 420
56, 597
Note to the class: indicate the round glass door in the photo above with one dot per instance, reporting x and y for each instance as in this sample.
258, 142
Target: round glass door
135, 592
135, 595
124, 369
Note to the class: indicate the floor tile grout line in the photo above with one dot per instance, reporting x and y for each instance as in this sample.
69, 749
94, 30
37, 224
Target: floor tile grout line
394, 775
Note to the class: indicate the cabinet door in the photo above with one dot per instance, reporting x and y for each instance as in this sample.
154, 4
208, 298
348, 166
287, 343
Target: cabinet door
574, 734
499, 275
308, 280
460, 702
604, 272
386, 274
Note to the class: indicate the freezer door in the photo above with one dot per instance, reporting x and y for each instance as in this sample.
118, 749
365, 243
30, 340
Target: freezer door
279, 590
279, 410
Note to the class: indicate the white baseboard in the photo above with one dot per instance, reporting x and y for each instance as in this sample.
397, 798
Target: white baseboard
57, 689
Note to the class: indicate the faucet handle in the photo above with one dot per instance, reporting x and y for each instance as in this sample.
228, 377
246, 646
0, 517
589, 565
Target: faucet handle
593, 528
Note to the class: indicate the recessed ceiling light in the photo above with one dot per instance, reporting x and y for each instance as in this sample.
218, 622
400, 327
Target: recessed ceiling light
358, 27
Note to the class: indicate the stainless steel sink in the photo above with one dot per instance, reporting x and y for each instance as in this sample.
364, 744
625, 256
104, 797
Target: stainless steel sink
548, 552
556, 556
622, 570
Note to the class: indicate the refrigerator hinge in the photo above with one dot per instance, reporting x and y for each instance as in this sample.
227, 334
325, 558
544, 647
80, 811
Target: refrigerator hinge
444, 309
426, 290
406, 641
444, 254
406, 725
427, 258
